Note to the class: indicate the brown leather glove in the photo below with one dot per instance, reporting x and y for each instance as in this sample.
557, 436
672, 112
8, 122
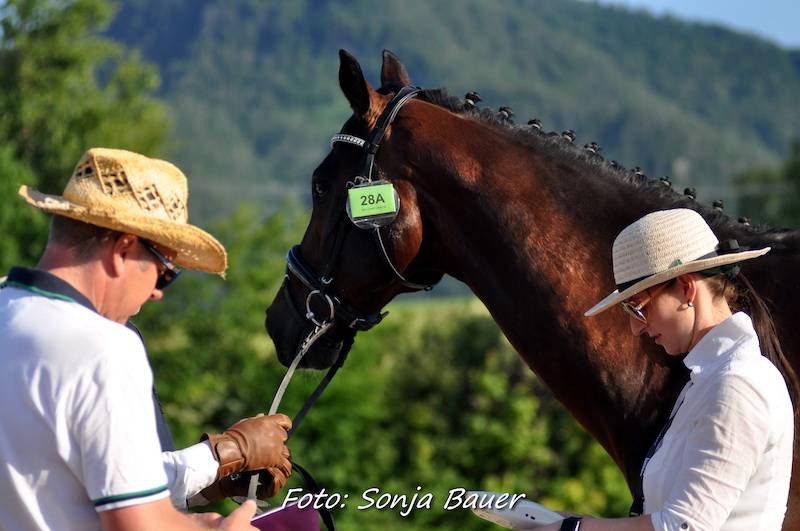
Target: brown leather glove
254, 443
270, 482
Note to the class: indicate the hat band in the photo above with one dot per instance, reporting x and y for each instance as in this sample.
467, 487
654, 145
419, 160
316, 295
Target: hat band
725, 247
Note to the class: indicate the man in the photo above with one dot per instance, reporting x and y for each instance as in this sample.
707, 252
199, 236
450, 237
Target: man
79, 447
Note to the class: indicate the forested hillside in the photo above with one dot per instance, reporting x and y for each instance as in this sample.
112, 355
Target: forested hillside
253, 84
434, 398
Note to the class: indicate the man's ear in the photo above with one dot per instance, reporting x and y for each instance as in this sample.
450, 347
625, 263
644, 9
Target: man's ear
119, 254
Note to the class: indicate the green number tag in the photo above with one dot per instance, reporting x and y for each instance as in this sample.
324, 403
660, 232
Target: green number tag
371, 200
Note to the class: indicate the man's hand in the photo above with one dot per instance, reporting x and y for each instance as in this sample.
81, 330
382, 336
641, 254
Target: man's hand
236, 521
240, 518
254, 443
161, 514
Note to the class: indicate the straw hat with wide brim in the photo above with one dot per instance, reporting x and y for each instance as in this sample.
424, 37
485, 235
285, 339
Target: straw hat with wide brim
134, 194
664, 245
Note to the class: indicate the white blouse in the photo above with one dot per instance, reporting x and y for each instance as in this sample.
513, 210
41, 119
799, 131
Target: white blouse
725, 462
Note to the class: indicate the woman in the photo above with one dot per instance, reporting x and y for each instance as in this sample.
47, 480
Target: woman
724, 457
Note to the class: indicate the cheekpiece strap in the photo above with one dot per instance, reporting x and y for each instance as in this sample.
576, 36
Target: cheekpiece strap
388, 116
384, 120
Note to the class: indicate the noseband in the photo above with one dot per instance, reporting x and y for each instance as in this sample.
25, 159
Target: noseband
320, 287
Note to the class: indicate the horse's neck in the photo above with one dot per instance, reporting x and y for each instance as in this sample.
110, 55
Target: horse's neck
537, 253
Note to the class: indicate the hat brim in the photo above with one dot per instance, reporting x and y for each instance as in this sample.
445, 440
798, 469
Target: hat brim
195, 248
690, 267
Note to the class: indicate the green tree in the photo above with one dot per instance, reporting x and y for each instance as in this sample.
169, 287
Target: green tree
64, 89
258, 77
772, 195
21, 226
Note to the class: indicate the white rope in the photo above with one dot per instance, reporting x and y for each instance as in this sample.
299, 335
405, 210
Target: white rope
276, 402
318, 331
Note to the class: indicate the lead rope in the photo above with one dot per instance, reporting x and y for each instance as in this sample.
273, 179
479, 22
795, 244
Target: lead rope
347, 344
276, 401
311, 484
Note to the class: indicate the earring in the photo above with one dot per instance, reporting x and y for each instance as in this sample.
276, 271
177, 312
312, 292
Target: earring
689, 304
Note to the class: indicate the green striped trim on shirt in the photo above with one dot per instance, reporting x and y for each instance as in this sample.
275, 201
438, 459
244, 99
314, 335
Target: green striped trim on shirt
130, 496
42, 292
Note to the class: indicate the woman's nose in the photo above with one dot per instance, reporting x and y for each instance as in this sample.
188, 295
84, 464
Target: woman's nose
637, 327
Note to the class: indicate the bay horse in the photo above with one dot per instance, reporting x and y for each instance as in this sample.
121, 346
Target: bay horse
526, 220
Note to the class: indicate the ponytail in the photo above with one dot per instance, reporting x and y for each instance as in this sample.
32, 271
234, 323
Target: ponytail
746, 299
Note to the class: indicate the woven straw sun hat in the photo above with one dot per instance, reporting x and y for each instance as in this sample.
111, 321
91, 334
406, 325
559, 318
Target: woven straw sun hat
664, 245
131, 193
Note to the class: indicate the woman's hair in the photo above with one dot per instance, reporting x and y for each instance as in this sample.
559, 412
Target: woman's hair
741, 295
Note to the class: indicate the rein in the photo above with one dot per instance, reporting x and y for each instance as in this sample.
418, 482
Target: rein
321, 286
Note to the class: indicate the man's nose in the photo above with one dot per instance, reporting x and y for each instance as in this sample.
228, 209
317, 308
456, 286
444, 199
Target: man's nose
157, 294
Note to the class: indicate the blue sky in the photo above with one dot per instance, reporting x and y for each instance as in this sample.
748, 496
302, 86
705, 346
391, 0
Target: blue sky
776, 20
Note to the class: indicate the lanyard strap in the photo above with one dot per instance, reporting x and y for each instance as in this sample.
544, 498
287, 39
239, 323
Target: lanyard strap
637, 507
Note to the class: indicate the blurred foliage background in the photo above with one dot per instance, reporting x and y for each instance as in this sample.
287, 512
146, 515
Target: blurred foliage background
242, 94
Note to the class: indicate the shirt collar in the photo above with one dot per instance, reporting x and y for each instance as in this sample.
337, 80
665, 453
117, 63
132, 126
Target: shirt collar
715, 347
47, 285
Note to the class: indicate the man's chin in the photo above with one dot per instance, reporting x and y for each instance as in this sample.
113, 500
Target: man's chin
123, 319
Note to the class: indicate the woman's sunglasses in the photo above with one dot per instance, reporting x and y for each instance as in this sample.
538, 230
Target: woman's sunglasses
170, 272
637, 310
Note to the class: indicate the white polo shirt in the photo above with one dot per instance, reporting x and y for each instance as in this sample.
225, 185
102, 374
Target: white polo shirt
725, 462
78, 431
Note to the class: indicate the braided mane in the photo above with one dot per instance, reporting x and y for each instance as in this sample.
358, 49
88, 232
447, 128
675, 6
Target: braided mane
653, 191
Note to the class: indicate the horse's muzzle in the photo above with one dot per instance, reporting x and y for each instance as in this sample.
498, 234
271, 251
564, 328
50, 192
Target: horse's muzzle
288, 331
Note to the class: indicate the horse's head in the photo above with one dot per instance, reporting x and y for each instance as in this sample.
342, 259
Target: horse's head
354, 258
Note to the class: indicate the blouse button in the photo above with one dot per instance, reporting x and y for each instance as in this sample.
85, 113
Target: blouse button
684, 526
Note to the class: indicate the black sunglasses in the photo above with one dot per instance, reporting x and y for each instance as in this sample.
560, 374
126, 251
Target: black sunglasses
171, 271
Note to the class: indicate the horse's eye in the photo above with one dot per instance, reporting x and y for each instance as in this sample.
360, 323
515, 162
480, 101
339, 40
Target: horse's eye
319, 190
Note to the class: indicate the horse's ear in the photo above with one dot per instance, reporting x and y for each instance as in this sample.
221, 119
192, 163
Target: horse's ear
393, 73
355, 87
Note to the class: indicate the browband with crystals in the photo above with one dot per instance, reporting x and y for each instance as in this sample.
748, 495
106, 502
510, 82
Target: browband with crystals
348, 139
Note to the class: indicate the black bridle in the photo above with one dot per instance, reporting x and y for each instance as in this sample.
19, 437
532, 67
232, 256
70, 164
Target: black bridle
322, 286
